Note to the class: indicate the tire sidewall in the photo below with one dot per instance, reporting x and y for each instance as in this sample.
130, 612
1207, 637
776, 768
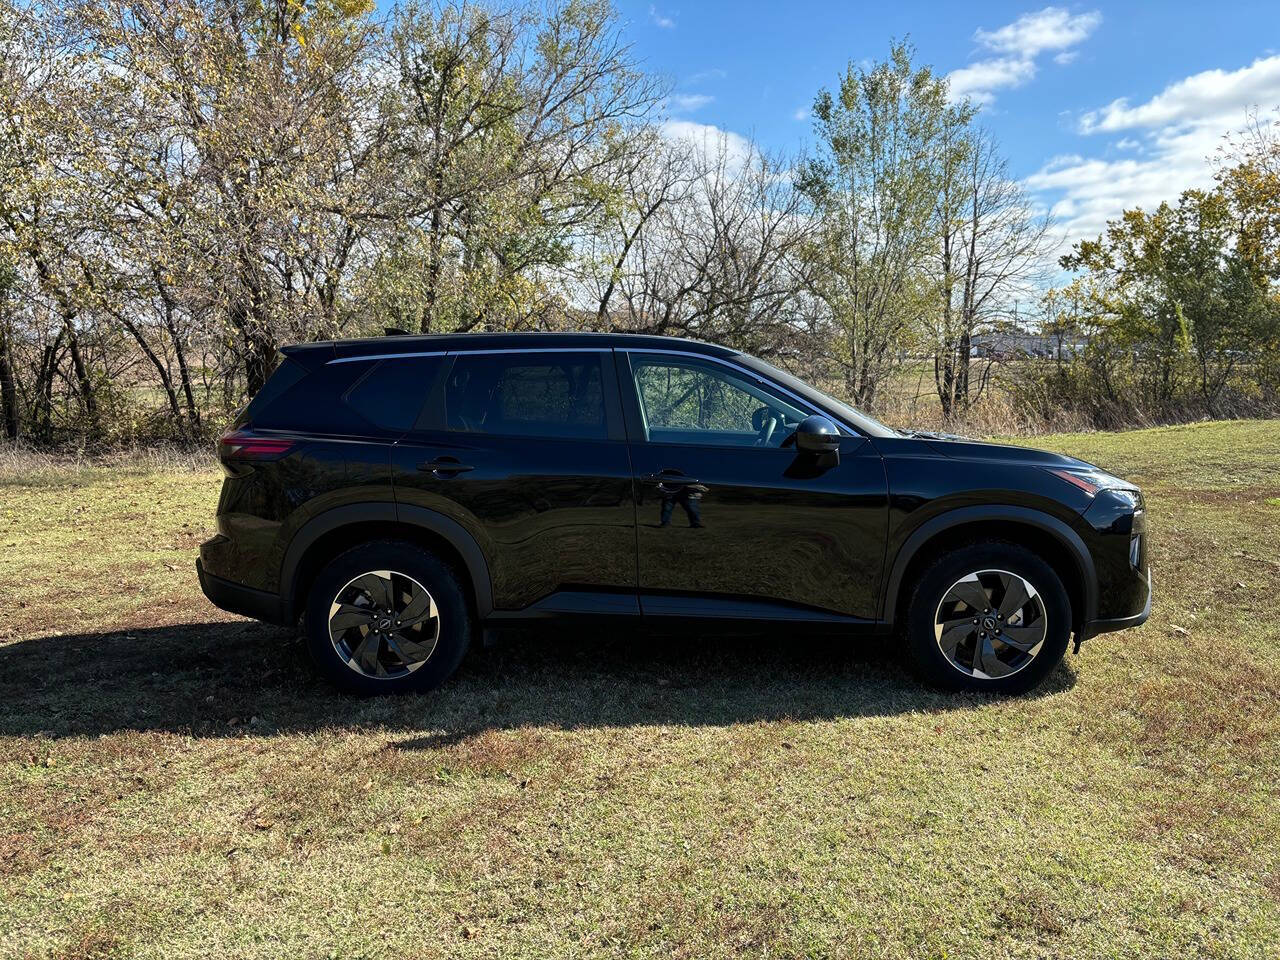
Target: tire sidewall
434, 574
922, 644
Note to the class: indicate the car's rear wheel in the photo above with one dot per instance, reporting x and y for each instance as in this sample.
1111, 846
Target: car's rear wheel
387, 617
992, 616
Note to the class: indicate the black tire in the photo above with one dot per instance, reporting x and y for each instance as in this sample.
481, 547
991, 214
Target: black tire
925, 609
409, 563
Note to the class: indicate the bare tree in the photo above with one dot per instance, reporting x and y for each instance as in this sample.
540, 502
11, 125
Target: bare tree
991, 248
717, 256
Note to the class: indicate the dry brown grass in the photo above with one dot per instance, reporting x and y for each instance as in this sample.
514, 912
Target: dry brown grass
174, 782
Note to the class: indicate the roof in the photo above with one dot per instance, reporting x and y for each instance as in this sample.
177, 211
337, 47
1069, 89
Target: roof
425, 343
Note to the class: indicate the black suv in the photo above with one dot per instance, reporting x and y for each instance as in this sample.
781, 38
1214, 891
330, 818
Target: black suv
398, 494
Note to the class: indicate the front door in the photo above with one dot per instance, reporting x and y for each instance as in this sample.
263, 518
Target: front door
729, 517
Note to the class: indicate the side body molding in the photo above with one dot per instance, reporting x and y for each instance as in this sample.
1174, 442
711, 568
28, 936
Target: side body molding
357, 514
988, 513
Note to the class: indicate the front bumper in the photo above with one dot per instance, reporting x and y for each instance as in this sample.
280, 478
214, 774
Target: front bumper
1095, 627
237, 598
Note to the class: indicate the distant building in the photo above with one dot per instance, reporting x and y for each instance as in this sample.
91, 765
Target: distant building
1007, 345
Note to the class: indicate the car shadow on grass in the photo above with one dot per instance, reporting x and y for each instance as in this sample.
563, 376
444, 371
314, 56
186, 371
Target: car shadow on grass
226, 679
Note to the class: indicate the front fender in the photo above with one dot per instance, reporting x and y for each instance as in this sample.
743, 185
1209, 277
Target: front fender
1070, 541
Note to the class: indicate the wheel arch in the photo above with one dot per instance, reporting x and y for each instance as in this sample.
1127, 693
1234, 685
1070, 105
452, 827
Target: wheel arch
324, 537
1045, 535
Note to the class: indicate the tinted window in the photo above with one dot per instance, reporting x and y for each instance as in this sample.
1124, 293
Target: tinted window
285, 377
314, 403
391, 395
691, 402
534, 395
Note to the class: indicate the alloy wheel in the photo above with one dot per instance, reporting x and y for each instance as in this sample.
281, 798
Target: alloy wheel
991, 624
384, 624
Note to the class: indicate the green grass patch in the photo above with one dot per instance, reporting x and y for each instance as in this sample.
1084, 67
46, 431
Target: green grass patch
175, 783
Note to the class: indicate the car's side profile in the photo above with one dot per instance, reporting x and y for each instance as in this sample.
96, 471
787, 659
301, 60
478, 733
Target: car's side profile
398, 495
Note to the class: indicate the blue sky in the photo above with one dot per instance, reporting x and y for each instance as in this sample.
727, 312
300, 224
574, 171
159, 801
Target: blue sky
1097, 106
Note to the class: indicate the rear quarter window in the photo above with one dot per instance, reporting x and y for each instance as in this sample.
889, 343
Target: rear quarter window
312, 403
285, 378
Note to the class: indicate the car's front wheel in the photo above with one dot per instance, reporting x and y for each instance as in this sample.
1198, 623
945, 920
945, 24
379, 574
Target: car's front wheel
991, 616
387, 617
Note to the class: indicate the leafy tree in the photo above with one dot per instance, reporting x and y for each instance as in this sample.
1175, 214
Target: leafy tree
874, 185
244, 141
1252, 186
1180, 291
518, 123
49, 189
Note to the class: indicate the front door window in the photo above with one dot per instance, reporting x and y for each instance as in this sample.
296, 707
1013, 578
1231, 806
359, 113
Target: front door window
687, 401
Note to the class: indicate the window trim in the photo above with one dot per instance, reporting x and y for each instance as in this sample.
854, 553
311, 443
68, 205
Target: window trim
635, 417
385, 356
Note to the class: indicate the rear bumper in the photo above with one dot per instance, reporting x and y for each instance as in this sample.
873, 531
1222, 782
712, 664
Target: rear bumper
237, 598
1095, 627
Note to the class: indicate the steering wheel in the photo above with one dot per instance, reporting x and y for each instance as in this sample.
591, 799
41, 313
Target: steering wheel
765, 421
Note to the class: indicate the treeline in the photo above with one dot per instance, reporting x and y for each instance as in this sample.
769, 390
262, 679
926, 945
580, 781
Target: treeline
1174, 314
185, 185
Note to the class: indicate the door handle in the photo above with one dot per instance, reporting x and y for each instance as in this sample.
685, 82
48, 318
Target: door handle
445, 466
672, 477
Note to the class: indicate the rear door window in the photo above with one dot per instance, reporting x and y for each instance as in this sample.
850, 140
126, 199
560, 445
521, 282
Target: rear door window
528, 394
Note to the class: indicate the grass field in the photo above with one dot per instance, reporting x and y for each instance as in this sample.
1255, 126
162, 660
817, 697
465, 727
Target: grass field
174, 781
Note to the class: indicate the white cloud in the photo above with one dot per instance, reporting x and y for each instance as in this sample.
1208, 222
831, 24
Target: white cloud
978, 80
661, 20
688, 102
1052, 28
710, 140
1066, 57
1193, 99
1176, 134
714, 73
1015, 47
801, 113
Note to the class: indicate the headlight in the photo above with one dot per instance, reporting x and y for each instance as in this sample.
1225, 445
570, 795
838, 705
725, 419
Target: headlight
1092, 480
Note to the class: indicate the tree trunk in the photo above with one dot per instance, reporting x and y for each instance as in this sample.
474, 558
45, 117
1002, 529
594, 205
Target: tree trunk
8, 388
433, 270
42, 405
162, 371
68, 311
83, 383
184, 378
258, 352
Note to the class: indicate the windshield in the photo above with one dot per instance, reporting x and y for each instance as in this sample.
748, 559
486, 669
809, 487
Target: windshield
842, 411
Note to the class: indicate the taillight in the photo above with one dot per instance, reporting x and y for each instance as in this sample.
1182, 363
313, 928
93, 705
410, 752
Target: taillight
246, 445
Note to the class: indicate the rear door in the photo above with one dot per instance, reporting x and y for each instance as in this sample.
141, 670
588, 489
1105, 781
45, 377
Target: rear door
729, 520
526, 450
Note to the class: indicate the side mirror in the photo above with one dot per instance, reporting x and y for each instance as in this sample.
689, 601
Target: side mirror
817, 434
